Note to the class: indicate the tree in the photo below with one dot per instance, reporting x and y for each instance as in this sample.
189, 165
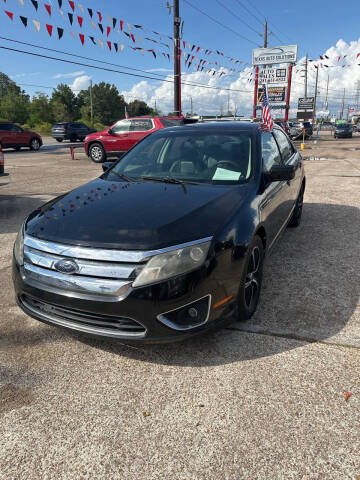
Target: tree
14, 104
138, 107
63, 94
109, 105
40, 110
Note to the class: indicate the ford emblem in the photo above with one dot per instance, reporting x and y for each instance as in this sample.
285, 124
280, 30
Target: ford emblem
67, 266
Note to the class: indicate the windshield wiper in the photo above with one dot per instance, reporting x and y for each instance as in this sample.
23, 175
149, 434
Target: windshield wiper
123, 176
170, 180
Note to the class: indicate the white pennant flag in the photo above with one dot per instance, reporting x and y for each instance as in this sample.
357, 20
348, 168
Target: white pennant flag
36, 25
109, 19
122, 47
21, 2
129, 27
81, 8
93, 24
72, 34
61, 12
101, 43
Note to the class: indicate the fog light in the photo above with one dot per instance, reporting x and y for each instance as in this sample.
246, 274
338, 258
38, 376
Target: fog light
193, 312
188, 316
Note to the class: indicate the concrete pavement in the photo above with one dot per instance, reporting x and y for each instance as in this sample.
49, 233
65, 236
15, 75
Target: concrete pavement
261, 400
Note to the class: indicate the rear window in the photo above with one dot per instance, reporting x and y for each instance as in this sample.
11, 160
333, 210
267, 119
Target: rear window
171, 122
60, 125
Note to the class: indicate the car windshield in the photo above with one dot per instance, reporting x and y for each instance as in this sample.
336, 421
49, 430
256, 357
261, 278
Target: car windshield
343, 125
201, 157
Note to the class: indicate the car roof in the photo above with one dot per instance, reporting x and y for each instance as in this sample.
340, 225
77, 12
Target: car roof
2, 123
219, 126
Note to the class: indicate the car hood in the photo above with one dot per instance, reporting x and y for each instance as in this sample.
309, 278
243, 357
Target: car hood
95, 135
137, 215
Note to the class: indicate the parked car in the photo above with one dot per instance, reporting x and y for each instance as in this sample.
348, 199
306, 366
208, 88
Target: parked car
13, 136
122, 136
72, 131
296, 132
283, 124
170, 241
343, 130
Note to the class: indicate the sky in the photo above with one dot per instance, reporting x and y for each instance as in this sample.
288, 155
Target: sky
230, 26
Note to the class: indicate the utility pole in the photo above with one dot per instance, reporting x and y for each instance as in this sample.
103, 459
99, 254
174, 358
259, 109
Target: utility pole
342, 106
357, 94
228, 110
315, 96
306, 75
155, 107
91, 104
265, 34
177, 60
327, 93
191, 105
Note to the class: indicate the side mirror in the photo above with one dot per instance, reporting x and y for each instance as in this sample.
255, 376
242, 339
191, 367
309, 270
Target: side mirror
107, 165
110, 131
281, 173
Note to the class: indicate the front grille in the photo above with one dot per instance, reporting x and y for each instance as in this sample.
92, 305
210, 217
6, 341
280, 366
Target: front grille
83, 321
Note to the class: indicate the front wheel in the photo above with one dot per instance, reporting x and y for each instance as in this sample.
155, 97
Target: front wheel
59, 140
249, 291
17, 149
35, 144
97, 153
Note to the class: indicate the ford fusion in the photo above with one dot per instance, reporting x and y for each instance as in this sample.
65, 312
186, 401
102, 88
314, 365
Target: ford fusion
168, 242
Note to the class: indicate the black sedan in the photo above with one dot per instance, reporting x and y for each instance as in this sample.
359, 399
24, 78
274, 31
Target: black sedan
343, 130
170, 241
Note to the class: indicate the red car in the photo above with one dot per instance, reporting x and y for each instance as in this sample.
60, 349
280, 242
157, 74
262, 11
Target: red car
124, 135
13, 136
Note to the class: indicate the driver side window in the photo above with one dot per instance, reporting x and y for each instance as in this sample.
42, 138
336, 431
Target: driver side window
122, 126
15, 128
270, 151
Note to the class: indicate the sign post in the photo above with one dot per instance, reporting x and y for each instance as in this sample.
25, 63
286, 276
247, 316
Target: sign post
256, 90
286, 117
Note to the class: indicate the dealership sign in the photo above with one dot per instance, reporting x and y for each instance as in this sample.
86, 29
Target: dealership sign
306, 103
284, 54
275, 94
273, 75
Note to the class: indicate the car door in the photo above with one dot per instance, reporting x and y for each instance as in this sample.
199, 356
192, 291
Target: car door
118, 138
83, 130
289, 157
140, 128
274, 197
19, 136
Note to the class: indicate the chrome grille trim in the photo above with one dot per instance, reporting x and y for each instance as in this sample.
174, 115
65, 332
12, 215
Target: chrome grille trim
128, 256
84, 321
86, 267
76, 283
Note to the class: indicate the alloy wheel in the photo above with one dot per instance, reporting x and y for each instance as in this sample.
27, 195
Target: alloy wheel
96, 153
35, 144
252, 286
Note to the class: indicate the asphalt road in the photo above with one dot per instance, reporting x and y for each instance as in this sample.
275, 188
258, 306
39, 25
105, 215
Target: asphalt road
262, 400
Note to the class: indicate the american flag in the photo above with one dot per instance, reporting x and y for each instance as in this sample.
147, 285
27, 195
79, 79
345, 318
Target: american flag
266, 115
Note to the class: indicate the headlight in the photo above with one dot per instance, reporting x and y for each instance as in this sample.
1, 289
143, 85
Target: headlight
173, 263
19, 247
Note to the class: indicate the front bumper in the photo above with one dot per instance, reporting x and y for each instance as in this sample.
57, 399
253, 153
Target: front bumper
141, 312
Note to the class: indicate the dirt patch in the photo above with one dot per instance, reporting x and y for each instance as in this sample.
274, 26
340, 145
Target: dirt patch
13, 397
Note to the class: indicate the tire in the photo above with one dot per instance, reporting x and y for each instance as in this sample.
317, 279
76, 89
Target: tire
59, 140
250, 286
81, 139
97, 153
17, 149
35, 144
73, 138
295, 219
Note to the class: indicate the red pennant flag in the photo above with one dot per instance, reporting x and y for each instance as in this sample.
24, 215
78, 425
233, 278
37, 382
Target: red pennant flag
48, 8
357, 55
100, 17
132, 37
198, 48
339, 58
49, 28
108, 30
80, 20
109, 45
10, 15
72, 5
82, 38
184, 43
121, 24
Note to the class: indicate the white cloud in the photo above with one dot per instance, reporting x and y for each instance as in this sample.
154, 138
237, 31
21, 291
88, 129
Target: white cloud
158, 70
69, 75
80, 83
211, 101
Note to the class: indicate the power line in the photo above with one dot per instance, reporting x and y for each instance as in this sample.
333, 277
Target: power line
236, 16
161, 77
119, 71
250, 12
221, 24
